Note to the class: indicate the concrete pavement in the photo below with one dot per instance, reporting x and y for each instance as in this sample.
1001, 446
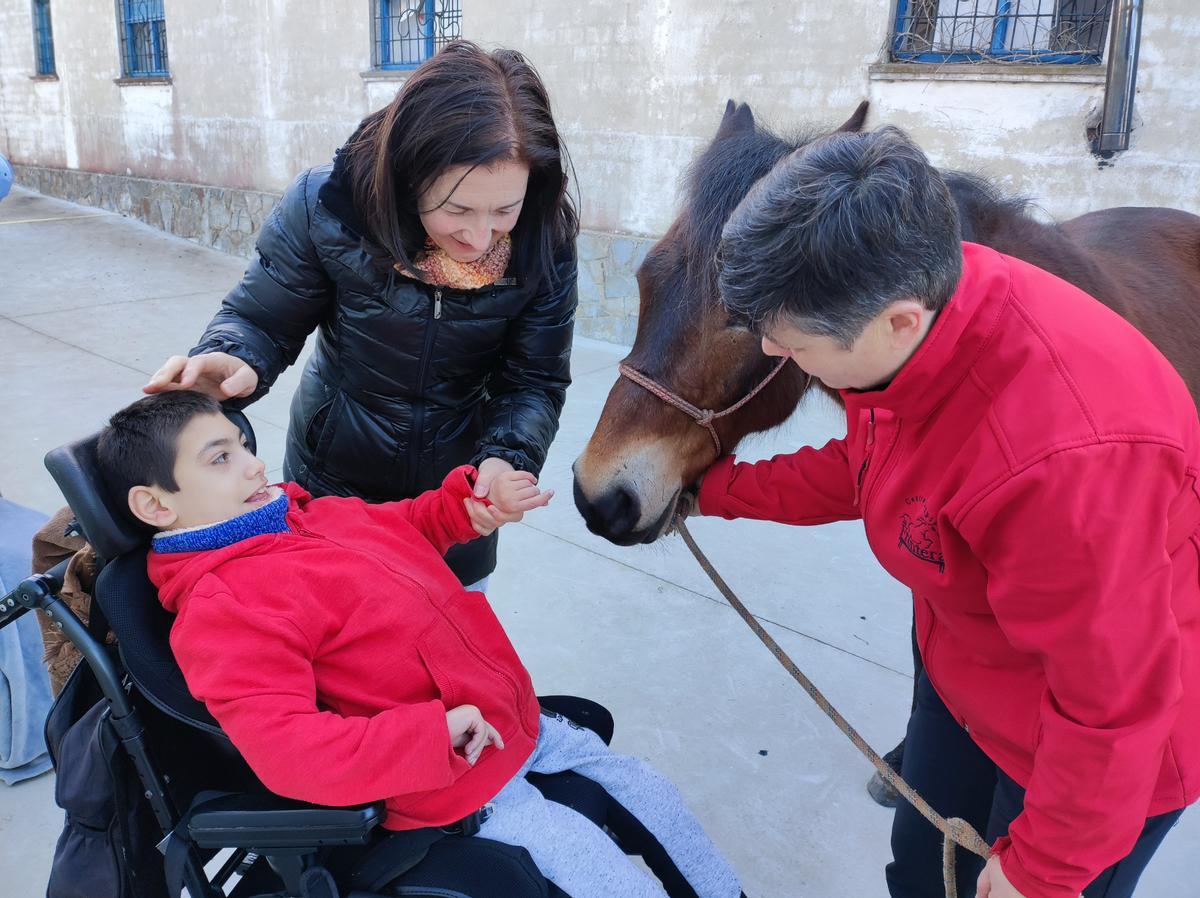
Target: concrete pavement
91, 303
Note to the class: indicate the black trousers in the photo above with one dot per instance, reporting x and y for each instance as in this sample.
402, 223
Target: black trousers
954, 775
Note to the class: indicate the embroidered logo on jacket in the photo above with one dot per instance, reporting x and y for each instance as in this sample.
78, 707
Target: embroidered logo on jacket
919, 535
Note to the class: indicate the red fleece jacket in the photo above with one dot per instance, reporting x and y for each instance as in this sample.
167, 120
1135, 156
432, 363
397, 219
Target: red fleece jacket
331, 653
1031, 475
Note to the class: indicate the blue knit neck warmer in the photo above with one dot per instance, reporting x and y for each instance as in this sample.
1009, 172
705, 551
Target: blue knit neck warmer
269, 518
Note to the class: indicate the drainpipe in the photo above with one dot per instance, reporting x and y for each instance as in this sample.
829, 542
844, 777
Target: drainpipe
1116, 118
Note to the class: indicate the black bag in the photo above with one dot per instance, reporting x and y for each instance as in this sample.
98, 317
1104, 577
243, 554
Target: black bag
107, 847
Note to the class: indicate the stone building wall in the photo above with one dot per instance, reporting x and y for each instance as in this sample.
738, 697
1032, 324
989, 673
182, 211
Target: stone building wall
221, 217
229, 219
260, 91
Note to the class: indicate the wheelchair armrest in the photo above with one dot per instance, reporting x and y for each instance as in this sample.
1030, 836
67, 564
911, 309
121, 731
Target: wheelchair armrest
268, 821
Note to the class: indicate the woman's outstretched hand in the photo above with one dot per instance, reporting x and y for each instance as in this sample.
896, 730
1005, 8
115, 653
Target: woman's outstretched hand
220, 375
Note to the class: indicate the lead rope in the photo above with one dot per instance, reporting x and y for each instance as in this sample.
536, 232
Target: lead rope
955, 830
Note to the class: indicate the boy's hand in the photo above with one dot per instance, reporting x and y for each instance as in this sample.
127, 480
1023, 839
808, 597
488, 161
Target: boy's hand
481, 516
509, 494
512, 493
470, 732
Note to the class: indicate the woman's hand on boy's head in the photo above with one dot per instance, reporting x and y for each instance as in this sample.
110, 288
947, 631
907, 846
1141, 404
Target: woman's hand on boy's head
218, 374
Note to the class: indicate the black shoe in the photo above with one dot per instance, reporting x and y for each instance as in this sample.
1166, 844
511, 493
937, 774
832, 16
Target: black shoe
881, 791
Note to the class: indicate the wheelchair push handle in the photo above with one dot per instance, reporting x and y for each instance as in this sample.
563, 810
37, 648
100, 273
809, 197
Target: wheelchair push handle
36, 591
40, 591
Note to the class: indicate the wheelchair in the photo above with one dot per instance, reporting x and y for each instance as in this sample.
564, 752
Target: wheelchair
202, 803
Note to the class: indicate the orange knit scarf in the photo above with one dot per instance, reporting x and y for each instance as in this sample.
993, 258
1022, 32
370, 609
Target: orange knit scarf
438, 269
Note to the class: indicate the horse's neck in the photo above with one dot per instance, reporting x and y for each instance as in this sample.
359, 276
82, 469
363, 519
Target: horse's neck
1046, 246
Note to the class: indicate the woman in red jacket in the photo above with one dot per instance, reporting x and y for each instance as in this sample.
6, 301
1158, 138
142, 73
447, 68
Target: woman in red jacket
1026, 462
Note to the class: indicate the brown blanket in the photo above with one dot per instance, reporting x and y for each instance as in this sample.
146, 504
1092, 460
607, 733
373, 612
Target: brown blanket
50, 546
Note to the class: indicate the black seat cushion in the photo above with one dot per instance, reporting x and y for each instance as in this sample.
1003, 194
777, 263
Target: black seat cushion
476, 867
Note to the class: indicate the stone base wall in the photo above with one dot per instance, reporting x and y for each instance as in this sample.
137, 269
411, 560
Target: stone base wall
229, 220
219, 217
608, 290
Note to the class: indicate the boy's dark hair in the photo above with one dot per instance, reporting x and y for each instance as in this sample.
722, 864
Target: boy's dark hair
464, 106
837, 231
138, 447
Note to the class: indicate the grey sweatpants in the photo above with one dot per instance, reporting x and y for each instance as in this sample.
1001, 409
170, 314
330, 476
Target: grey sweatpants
575, 854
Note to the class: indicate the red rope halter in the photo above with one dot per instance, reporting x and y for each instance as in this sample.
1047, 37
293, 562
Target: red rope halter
702, 416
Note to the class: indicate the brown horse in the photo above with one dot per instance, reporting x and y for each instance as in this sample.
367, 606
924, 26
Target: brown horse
647, 449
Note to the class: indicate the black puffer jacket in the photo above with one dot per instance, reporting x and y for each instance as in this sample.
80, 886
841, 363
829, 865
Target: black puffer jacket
407, 380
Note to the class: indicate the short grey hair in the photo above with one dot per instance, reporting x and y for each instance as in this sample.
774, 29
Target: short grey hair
837, 231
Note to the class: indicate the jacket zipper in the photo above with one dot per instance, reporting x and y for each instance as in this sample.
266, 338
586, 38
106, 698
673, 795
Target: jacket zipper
301, 530
862, 469
414, 436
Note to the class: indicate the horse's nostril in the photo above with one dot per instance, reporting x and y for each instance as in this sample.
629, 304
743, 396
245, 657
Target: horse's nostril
613, 514
621, 509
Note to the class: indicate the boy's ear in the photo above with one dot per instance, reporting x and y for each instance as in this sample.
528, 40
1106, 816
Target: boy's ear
146, 507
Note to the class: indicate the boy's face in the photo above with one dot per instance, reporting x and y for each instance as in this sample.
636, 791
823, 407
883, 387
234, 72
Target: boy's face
218, 478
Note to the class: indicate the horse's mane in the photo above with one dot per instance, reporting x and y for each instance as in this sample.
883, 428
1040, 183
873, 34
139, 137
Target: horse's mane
719, 179
744, 151
982, 207
722, 175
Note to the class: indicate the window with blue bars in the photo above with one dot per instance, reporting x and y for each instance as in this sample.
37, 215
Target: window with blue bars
43, 38
143, 31
407, 32
1020, 31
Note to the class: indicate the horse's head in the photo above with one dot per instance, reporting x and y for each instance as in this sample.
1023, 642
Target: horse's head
646, 452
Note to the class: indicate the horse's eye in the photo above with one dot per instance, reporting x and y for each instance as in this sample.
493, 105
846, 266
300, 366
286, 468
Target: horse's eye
737, 323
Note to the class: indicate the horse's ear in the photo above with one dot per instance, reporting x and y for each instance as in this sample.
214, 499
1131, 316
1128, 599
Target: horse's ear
737, 118
855, 122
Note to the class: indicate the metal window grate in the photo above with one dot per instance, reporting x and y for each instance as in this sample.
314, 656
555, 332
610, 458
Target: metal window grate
407, 32
143, 30
43, 38
1023, 31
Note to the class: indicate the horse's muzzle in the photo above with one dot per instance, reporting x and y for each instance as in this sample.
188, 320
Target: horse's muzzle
615, 515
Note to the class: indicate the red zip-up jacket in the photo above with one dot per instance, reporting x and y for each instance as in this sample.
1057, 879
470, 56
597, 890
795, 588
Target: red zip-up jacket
1031, 475
331, 653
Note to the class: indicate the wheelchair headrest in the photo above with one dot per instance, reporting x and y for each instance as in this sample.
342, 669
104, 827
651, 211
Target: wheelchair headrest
105, 519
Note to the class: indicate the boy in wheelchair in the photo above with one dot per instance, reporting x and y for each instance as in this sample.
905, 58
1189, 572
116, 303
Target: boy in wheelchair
347, 664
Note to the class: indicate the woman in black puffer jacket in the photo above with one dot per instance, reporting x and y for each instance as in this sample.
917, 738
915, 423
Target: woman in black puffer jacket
436, 259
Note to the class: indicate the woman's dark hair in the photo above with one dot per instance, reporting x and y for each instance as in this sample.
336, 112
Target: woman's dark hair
464, 106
